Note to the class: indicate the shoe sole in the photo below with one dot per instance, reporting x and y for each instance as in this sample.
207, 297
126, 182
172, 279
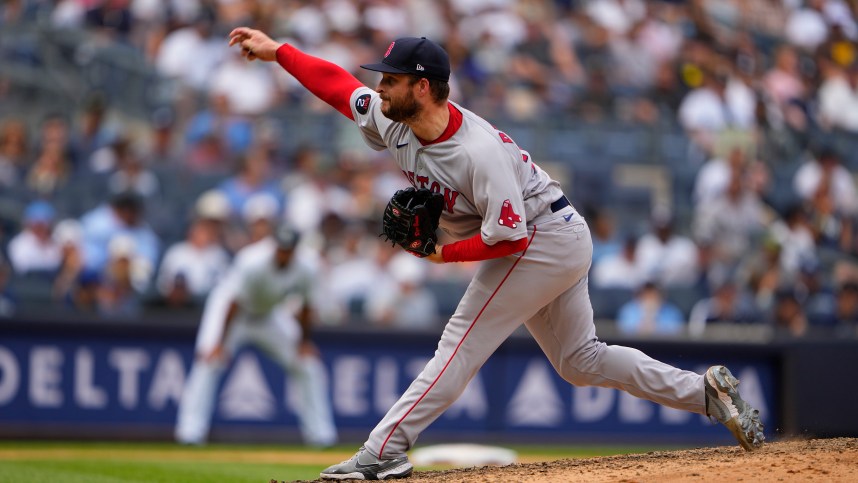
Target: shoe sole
402, 471
742, 420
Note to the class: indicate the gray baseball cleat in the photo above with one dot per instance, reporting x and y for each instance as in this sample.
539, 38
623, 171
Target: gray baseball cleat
364, 466
724, 404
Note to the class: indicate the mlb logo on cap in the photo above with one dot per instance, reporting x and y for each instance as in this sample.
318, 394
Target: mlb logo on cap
418, 56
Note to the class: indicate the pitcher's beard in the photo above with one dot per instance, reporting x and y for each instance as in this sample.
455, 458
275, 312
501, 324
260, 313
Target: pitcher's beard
404, 111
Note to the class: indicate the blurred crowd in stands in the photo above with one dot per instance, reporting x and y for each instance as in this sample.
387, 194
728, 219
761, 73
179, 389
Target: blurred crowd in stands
104, 212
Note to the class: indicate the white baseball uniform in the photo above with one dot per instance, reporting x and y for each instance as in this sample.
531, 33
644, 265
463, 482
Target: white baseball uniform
491, 186
262, 292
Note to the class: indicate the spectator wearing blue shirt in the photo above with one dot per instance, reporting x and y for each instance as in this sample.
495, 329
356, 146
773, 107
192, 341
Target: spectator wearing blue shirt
254, 177
649, 314
216, 134
606, 243
123, 216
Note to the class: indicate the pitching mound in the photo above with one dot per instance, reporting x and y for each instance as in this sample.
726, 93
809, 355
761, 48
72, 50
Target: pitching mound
830, 460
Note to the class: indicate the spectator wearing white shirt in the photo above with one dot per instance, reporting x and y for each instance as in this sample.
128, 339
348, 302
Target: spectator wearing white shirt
665, 257
132, 174
34, 250
214, 206
387, 19
260, 214
617, 16
727, 226
798, 247
838, 97
313, 193
250, 87
825, 176
403, 301
714, 175
723, 102
153, 18
354, 268
806, 27
193, 42
618, 270
199, 260
828, 190
839, 14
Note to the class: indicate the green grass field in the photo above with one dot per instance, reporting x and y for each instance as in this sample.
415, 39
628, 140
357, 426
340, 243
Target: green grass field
106, 462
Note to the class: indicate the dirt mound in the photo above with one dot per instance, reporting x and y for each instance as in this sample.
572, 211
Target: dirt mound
830, 460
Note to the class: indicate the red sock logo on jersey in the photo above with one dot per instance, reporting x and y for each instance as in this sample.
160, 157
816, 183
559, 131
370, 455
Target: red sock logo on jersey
508, 217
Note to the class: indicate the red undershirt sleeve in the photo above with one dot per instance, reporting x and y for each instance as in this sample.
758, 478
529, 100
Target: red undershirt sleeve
329, 82
475, 249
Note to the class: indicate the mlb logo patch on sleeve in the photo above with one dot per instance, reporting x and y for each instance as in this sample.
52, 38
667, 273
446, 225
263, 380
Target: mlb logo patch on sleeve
362, 104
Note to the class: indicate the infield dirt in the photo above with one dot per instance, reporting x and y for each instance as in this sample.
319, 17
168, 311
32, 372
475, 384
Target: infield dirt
826, 460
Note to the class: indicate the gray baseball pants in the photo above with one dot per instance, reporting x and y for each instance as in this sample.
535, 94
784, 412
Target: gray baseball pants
546, 288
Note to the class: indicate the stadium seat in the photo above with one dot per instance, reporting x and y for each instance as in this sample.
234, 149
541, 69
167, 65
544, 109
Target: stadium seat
683, 297
447, 293
567, 146
32, 291
607, 301
673, 148
630, 144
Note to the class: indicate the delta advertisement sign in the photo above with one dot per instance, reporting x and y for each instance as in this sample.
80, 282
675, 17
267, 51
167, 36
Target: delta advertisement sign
118, 383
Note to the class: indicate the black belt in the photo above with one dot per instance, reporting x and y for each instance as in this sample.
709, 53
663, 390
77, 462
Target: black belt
558, 205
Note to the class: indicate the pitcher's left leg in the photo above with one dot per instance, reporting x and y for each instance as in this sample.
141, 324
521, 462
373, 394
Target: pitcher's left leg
564, 330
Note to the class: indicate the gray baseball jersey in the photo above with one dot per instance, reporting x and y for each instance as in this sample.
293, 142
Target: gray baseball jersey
492, 186
489, 184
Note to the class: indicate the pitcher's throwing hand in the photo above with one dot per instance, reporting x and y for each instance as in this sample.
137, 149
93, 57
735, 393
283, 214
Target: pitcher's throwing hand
254, 44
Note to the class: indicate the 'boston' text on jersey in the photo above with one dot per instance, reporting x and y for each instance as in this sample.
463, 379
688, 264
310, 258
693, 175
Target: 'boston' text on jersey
450, 196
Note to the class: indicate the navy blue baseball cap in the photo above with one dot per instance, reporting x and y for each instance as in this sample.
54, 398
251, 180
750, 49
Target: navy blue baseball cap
286, 237
418, 56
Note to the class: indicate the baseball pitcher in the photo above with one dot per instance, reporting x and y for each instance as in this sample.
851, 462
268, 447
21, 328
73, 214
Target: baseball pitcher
249, 306
503, 209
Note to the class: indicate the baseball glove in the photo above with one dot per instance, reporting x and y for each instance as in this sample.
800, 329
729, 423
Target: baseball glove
411, 219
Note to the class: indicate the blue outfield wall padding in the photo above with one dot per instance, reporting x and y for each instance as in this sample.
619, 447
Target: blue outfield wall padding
120, 381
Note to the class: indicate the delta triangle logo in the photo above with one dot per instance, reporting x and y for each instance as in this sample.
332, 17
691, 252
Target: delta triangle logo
246, 394
508, 217
535, 402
